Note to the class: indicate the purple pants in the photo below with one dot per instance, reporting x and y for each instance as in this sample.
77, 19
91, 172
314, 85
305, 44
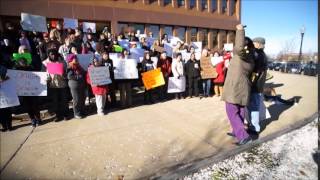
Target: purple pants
236, 115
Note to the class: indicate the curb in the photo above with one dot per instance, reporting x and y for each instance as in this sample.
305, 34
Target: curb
184, 169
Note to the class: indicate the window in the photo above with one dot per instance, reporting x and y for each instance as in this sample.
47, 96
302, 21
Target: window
166, 2
192, 4
232, 7
204, 37
204, 4
193, 34
223, 6
181, 3
181, 33
168, 30
213, 5
122, 28
152, 1
155, 30
139, 27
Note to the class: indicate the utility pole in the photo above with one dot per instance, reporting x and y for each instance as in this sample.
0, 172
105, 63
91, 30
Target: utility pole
302, 31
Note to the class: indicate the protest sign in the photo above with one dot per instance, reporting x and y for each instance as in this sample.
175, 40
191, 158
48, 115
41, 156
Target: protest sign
136, 53
168, 48
228, 47
185, 55
150, 41
216, 60
174, 40
197, 46
125, 69
198, 55
176, 85
55, 68
70, 23
29, 83
8, 94
152, 79
207, 69
117, 48
113, 56
124, 44
99, 75
154, 61
85, 60
31, 22
87, 26
26, 56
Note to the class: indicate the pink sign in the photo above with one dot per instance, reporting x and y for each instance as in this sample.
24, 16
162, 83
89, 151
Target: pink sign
55, 68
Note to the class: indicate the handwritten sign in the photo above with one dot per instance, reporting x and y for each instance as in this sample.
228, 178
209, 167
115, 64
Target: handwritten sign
124, 43
154, 61
29, 83
87, 26
85, 60
207, 69
216, 60
55, 68
152, 79
99, 75
8, 94
185, 55
228, 47
114, 56
136, 53
125, 69
70, 23
176, 85
174, 40
158, 49
197, 46
31, 22
150, 41
169, 49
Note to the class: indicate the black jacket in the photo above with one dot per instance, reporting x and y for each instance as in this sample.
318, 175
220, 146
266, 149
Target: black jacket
191, 70
260, 71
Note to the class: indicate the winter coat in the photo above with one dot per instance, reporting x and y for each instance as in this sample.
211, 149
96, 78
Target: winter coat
260, 71
97, 90
147, 65
237, 86
192, 69
220, 68
165, 66
177, 68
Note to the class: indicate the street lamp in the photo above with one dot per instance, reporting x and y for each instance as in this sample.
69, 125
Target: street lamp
302, 31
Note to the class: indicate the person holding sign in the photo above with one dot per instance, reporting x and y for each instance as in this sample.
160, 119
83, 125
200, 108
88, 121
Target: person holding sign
218, 62
192, 69
164, 63
5, 113
76, 77
29, 103
106, 61
207, 72
99, 91
147, 65
125, 85
177, 70
57, 86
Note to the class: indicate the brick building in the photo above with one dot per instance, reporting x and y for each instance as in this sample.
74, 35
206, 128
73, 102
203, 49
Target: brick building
210, 21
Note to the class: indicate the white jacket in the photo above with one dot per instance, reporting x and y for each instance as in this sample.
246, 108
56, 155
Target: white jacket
177, 68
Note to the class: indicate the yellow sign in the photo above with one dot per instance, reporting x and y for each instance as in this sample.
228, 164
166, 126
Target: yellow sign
152, 79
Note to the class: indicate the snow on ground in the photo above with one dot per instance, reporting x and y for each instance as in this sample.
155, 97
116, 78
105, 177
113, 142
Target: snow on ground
287, 157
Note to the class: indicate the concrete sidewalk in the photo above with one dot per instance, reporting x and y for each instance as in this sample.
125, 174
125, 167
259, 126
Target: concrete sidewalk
141, 141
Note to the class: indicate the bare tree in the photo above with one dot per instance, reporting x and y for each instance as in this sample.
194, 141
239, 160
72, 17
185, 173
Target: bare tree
287, 48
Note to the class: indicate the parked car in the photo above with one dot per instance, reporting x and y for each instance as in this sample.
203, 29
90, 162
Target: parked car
293, 67
277, 66
310, 69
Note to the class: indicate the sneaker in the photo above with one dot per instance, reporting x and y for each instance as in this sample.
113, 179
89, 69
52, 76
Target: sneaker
244, 141
101, 114
78, 117
33, 122
38, 122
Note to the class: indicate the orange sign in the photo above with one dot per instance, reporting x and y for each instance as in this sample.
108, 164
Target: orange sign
152, 79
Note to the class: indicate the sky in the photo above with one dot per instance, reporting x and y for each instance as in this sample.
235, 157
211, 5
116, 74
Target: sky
280, 21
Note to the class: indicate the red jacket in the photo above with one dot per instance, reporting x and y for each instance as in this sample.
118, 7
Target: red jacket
97, 90
165, 66
220, 71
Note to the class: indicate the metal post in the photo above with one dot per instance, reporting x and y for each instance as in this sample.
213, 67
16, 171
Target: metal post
302, 30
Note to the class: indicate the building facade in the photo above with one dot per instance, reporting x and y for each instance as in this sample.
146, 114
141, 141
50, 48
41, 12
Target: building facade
210, 21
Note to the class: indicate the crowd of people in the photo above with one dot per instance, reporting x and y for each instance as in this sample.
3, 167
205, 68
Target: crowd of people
238, 78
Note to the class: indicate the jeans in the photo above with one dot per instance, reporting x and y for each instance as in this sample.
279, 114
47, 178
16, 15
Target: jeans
253, 110
206, 86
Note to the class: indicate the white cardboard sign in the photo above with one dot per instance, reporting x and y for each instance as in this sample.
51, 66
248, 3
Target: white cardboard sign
99, 75
176, 85
85, 60
88, 25
70, 23
125, 69
31, 22
8, 94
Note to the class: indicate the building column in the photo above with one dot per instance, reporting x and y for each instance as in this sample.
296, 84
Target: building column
160, 2
187, 4
161, 30
209, 6
221, 39
237, 10
210, 39
146, 29
145, 2
230, 37
114, 26
199, 5
228, 8
174, 3
188, 35
199, 35
219, 6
